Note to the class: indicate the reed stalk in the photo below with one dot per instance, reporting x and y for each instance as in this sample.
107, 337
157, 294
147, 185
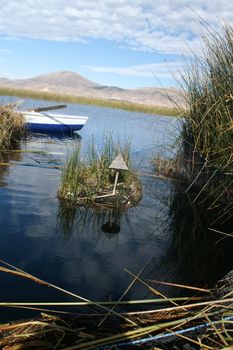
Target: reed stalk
204, 323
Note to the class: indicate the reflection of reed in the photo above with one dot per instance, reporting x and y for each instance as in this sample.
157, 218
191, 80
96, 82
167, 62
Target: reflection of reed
83, 220
5, 158
201, 255
207, 184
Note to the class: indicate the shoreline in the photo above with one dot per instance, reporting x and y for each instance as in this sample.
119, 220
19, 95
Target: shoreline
116, 104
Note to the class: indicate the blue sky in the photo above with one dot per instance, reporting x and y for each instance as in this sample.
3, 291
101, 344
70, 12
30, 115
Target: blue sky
125, 43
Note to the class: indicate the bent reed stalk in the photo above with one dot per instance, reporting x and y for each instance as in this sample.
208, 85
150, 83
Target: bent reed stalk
11, 127
205, 323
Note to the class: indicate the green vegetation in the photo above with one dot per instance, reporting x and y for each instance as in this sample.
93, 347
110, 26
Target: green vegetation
207, 134
208, 131
134, 107
205, 156
90, 181
209, 86
11, 127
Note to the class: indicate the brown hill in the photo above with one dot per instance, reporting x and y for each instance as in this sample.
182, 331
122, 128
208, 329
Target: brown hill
71, 83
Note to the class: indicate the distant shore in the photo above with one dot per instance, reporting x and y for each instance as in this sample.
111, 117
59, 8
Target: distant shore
111, 103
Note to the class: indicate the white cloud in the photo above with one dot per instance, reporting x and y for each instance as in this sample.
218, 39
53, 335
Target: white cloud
159, 70
165, 26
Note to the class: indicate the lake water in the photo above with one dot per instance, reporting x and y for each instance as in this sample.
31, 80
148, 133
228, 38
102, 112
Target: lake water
69, 248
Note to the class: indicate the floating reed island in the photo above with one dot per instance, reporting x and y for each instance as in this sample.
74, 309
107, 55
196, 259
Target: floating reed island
102, 178
11, 127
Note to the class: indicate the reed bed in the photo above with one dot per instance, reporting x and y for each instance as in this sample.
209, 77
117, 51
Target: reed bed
203, 322
129, 106
11, 127
209, 86
205, 155
89, 180
208, 130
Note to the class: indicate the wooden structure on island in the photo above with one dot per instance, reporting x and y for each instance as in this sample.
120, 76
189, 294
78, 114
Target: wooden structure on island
118, 164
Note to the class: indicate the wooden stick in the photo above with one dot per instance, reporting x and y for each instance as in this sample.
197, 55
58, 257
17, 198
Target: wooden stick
105, 195
49, 108
115, 183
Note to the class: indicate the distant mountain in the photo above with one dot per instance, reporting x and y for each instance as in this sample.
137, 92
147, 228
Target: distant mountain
4, 81
58, 81
72, 83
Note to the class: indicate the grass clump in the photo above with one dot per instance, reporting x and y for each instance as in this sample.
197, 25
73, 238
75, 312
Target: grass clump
11, 127
166, 168
209, 86
90, 181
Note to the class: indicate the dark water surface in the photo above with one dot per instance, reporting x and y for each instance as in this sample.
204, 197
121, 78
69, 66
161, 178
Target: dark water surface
69, 248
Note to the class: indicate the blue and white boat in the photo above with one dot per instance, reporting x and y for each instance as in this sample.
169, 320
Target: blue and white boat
44, 122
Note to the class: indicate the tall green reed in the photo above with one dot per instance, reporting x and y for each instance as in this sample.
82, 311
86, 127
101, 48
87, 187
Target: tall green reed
209, 85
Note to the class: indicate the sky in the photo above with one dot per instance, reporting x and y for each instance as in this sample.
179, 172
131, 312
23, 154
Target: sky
124, 43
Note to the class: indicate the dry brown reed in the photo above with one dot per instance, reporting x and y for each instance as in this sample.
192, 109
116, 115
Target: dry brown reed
11, 127
205, 323
166, 168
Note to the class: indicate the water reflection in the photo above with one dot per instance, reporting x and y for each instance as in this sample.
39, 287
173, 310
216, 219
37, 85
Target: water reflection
88, 221
112, 226
198, 254
5, 162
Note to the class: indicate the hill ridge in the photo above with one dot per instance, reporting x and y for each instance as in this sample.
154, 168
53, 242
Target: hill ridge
72, 83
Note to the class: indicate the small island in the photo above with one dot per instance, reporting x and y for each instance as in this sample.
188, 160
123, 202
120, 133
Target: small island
104, 178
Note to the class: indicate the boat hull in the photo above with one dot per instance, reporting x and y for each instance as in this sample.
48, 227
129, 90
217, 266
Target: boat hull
51, 128
53, 123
